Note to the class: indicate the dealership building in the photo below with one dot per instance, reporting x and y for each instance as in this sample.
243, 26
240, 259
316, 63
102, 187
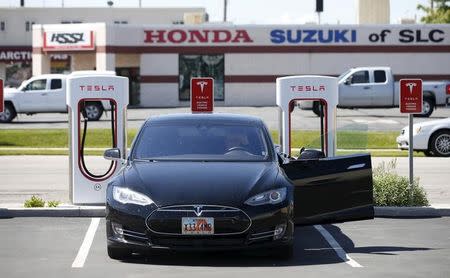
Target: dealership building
244, 60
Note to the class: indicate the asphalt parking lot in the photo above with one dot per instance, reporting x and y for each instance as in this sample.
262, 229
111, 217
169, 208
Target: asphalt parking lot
54, 247
357, 119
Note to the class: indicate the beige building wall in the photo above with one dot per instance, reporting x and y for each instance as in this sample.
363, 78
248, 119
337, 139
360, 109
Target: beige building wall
83, 61
373, 12
128, 60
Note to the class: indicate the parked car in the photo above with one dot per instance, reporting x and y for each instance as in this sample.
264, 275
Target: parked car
374, 87
431, 137
44, 94
216, 182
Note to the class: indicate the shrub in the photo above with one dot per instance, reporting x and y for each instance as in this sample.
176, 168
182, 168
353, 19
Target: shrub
53, 204
390, 189
34, 202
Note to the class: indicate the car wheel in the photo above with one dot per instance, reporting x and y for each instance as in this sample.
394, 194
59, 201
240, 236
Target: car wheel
440, 143
317, 109
427, 108
93, 111
285, 252
8, 114
118, 253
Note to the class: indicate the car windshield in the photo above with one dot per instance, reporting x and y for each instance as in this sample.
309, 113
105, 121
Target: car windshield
343, 74
204, 142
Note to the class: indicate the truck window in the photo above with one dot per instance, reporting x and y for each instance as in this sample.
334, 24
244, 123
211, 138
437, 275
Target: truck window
360, 77
55, 84
36, 85
380, 76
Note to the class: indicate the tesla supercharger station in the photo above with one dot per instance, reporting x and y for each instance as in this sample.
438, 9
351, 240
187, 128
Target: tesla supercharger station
112, 91
309, 87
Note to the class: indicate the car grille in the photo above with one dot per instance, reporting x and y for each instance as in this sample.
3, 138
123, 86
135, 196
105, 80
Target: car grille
227, 220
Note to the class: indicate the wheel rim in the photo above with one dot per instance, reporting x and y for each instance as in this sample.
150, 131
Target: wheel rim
426, 107
91, 111
5, 115
442, 144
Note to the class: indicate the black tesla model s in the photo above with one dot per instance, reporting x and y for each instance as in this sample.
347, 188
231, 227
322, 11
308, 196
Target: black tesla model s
216, 182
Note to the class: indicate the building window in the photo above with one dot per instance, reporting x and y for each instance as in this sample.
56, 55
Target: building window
71, 21
28, 25
201, 66
178, 22
2, 26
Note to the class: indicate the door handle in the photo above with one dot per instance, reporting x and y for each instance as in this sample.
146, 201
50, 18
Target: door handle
366, 87
43, 94
356, 166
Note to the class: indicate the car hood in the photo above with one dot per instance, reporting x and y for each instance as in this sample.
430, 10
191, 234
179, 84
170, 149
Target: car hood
445, 121
8, 91
214, 183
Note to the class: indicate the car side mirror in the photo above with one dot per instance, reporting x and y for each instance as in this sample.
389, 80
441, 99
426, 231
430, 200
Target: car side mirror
112, 154
348, 81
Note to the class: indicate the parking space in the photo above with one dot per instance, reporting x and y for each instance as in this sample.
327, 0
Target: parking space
48, 247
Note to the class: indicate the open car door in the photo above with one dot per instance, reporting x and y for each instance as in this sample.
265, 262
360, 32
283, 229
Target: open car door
333, 189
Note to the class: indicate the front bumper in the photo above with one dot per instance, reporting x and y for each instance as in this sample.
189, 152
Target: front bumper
260, 234
420, 141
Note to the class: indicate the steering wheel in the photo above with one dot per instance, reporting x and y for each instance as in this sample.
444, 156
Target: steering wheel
236, 149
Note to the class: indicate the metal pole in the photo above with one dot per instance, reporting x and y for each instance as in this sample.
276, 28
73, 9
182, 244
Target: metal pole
410, 156
225, 4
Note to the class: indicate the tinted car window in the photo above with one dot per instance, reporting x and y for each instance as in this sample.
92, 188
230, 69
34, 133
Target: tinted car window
380, 76
36, 85
210, 141
55, 84
360, 77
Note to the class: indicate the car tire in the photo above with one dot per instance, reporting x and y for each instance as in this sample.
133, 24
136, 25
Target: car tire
427, 106
440, 143
93, 111
9, 113
284, 252
119, 253
317, 109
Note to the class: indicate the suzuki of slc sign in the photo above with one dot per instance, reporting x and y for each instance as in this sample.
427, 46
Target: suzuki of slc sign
411, 96
202, 94
70, 40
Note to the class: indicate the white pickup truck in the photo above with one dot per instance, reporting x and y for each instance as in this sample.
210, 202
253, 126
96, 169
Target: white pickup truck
374, 87
43, 94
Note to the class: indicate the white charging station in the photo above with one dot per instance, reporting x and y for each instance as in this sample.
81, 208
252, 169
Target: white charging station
112, 92
309, 87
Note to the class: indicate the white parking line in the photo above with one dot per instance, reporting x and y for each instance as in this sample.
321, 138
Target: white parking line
86, 245
337, 248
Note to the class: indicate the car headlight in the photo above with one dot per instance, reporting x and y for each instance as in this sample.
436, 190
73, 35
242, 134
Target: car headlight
127, 196
274, 196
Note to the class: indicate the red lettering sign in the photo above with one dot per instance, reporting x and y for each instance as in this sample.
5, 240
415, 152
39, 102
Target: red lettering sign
1, 96
178, 36
202, 94
411, 96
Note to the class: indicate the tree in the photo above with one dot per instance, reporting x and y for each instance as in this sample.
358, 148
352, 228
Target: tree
437, 12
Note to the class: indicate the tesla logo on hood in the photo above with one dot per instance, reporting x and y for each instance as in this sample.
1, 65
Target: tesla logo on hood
198, 210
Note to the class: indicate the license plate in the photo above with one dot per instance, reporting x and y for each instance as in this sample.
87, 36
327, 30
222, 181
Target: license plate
197, 226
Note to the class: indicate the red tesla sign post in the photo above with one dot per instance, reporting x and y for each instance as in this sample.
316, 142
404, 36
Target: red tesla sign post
202, 94
411, 99
1, 96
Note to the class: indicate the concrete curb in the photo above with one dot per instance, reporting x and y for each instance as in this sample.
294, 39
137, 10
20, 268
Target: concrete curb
99, 211
75, 211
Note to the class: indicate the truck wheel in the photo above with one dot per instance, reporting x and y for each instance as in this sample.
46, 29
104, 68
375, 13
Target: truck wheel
93, 111
440, 143
428, 107
317, 109
9, 113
